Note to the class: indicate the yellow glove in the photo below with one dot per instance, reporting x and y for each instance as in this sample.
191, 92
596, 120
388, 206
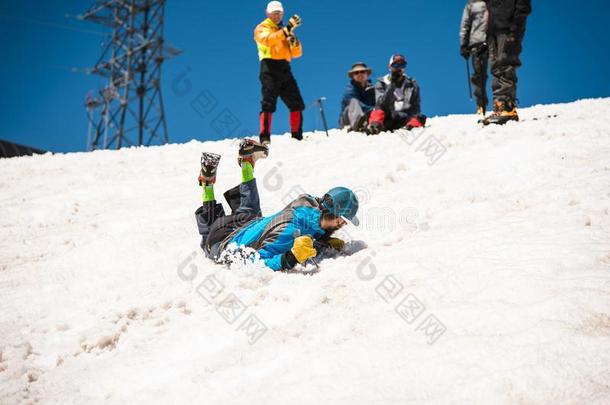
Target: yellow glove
336, 243
303, 249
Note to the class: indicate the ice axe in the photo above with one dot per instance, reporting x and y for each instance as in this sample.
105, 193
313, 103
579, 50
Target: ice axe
480, 51
319, 103
468, 79
483, 73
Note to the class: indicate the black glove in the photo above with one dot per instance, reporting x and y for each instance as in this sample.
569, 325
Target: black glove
399, 116
464, 51
293, 40
288, 260
294, 22
374, 128
511, 44
480, 49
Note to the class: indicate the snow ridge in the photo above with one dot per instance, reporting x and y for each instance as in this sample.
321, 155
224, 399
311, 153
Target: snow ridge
480, 273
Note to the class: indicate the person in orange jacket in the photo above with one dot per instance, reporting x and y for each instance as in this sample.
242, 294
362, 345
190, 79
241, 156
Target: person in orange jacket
277, 45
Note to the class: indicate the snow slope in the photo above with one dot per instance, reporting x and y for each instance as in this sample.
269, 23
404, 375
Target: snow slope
480, 274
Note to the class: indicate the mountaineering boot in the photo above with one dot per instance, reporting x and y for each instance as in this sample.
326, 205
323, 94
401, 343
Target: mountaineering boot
480, 111
251, 150
495, 110
209, 164
296, 125
362, 124
504, 111
265, 127
265, 139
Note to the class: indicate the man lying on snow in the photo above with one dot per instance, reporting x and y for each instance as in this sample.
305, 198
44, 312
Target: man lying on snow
282, 240
397, 100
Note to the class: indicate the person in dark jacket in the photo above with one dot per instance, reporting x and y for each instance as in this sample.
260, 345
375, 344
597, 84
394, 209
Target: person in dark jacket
281, 240
473, 43
507, 21
397, 100
358, 99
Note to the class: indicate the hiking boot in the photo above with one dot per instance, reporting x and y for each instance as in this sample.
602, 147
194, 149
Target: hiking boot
365, 127
361, 124
264, 139
209, 164
504, 111
297, 135
481, 111
251, 151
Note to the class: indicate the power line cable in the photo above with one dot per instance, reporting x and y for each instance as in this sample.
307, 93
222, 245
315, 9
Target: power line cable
51, 24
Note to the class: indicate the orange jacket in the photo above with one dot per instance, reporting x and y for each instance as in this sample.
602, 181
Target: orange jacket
273, 44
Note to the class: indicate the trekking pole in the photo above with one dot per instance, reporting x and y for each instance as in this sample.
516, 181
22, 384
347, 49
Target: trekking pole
468, 78
483, 90
319, 102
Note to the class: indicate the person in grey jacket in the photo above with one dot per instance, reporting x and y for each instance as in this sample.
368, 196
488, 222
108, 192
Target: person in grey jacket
397, 100
506, 29
473, 42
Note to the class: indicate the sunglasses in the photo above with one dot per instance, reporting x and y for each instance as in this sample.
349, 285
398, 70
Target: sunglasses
360, 72
398, 65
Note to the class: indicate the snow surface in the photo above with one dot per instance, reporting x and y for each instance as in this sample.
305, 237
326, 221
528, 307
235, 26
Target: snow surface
480, 274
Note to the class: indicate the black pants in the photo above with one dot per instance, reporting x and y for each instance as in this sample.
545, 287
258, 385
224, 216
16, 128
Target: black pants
277, 81
393, 122
214, 226
504, 61
480, 55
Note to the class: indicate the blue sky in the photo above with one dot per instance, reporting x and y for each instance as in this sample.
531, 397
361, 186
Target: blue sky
565, 58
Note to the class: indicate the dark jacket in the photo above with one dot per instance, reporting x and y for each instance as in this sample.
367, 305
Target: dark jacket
508, 16
366, 95
401, 102
473, 29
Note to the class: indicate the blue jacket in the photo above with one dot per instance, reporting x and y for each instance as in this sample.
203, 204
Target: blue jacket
366, 95
274, 236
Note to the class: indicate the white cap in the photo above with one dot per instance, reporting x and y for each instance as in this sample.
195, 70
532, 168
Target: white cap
274, 6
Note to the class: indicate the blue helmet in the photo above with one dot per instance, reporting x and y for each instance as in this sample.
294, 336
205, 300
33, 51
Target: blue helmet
341, 202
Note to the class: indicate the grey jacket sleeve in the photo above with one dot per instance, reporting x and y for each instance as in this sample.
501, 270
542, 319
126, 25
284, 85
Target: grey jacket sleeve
416, 101
382, 91
414, 109
379, 93
465, 26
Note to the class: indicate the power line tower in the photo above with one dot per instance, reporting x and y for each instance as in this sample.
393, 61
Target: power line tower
131, 103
